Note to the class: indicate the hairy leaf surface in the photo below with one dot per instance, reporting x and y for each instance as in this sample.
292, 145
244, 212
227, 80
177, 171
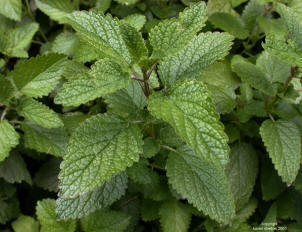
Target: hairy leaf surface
282, 140
9, 138
201, 183
100, 148
188, 107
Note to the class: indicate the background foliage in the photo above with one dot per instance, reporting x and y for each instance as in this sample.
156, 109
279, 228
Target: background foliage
150, 115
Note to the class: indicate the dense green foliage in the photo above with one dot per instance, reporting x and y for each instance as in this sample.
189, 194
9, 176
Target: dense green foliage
150, 115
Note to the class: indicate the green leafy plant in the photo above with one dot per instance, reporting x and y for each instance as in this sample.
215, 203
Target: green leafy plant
150, 115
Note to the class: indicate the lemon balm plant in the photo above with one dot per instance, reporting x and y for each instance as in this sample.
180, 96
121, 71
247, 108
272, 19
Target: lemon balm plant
150, 116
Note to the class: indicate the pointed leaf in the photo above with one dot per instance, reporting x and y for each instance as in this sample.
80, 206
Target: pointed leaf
189, 109
201, 183
51, 141
100, 148
55, 9
106, 76
282, 140
39, 113
9, 138
46, 214
174, 217
110, 221
202, 51
99, 198
38, 76
102, 32
11, 9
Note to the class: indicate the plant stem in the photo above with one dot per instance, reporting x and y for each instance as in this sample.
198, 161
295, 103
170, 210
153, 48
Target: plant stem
4, 113
168, 148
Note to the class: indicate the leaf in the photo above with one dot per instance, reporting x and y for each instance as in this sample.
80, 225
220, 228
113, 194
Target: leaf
13, 169
100, 148
149, 210
242, 171
229, 23
203, 184
99, 198
102, 32
135, 20
189, 109
270, 218
247, 211
106, 76
294, 26
51, 141
111, 221
151, 147
271, 183
11, 9
25, 224
85, 52
170, 36
282, 140
9, 210
134, 41
140, 173
252, 75
65, 43
55, 9
46, 214
127, 101
6, 90
127, 2
9, 138
224, 99
275, 70
190, 62
38, 76
14, 42
39, 113
250, 14
174, 217
47, 175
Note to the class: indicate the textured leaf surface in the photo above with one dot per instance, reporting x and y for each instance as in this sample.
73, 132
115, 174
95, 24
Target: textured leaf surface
250, 13
126, 101
46, 214
111, 221
202, 51
105, 77
135, 20
253, 75
134, 41
201, 183
39, 113
13, 42
242, 171
11, 9
9, 138
55, 9
51, 141
171, 35
294, 26
98, 198
174, 217
25, 224
100, 148
274, 69
102, 32
189, 109
13, 169
282, 140
6, 90
65, 43
38, 76
229, 23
